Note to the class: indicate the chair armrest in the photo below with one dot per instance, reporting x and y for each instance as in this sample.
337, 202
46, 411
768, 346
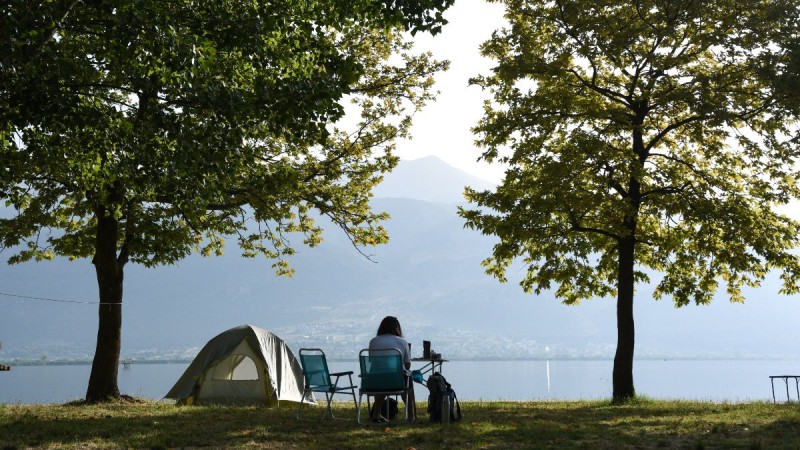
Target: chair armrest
338, 374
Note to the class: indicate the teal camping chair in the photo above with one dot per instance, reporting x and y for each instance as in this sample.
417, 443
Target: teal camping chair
319, 379
382, 373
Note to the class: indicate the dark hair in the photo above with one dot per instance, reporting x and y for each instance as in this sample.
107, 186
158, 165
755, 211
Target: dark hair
390, 325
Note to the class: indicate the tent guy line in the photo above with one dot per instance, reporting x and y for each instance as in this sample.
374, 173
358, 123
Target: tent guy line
57, 300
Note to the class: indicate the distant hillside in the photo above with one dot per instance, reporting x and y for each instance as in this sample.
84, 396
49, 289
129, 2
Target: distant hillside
429, 275
429, 179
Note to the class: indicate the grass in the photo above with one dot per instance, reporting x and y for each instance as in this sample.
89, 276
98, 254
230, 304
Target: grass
639, 424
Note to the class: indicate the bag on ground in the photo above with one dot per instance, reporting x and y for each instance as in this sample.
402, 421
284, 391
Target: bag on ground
388, 409
439, 391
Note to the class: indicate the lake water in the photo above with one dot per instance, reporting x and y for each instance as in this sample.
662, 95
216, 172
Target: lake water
717, 380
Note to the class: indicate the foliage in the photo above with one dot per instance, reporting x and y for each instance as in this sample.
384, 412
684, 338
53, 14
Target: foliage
140, 131
507, 425
591, 96
645, 137
184, 121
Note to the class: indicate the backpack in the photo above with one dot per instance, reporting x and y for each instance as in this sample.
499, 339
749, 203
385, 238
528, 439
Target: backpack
439, 390
388, 410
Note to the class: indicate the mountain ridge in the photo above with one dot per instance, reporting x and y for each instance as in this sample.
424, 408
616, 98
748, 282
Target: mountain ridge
429, 275
429, 179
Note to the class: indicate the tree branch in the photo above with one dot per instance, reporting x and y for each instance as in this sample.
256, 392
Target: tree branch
50, 33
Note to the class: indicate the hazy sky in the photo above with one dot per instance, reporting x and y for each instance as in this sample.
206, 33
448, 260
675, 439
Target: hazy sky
442, 128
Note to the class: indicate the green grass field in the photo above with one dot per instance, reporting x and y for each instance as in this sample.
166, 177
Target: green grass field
639, 424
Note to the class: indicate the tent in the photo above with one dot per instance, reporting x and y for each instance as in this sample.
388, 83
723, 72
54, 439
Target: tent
246, 365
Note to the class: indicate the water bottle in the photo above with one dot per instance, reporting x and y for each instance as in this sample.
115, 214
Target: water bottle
445, 407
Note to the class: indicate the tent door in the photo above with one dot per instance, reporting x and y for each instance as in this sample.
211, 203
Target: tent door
239, 378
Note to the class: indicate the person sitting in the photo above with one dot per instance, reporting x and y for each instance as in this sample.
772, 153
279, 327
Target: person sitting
390, 335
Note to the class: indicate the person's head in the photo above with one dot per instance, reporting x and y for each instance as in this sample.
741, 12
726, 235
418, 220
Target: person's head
390, 325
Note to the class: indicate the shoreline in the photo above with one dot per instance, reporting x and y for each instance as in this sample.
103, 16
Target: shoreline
129, 361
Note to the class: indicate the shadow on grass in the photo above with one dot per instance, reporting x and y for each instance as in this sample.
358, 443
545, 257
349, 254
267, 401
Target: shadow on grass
650, 424
487, 425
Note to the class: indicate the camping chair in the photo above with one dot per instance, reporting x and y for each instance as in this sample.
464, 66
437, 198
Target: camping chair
382, 373
319, 379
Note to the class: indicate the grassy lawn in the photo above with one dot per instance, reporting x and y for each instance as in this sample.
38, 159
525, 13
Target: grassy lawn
486, 425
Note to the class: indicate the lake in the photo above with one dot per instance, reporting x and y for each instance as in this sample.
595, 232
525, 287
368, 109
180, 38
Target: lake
714, 380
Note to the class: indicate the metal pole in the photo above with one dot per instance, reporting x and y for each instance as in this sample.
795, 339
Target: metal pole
786, 380
797, 387
772, 383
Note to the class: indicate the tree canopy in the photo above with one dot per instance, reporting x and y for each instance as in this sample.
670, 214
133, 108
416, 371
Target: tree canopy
141, 131
644, 139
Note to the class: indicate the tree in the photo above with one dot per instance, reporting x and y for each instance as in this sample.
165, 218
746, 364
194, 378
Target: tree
642, 138
141, 131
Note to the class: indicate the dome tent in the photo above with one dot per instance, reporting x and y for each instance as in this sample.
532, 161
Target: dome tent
246, 365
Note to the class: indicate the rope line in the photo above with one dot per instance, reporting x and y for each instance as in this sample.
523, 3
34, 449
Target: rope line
57, 300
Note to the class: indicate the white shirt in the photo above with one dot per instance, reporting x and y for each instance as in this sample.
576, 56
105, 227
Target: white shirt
392, 341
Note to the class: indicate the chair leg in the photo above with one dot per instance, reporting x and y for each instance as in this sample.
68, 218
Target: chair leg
358, 409
355, 403
353, 391
328, 406
328, 410
300, 405
411, 405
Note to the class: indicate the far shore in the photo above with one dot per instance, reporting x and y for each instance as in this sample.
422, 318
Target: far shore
128, 361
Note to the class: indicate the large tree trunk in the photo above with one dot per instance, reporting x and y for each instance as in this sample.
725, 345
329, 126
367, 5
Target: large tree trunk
109, 269
623, 359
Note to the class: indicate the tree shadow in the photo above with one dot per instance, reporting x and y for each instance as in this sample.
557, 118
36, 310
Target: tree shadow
487, 425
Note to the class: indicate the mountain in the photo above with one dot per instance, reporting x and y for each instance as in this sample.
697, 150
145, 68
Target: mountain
429, 179
429, 275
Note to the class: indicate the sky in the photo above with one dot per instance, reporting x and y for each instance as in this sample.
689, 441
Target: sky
442, 128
